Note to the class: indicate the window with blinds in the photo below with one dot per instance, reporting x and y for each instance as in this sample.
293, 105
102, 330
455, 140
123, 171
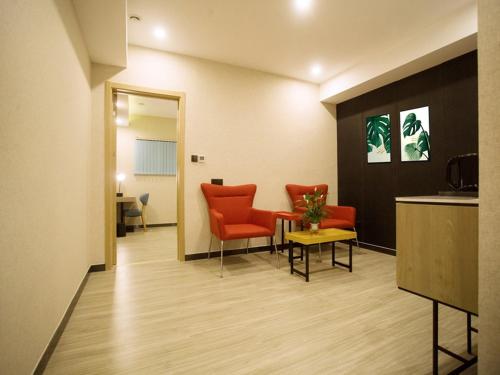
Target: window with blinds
154, 157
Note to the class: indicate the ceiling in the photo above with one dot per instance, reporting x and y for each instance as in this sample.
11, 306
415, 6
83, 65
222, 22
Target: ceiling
273, 36
104, 28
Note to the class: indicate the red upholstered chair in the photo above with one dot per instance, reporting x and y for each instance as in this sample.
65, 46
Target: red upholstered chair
232, 216
341, 217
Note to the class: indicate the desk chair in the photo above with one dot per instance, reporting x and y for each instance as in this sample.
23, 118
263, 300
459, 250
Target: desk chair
136, 212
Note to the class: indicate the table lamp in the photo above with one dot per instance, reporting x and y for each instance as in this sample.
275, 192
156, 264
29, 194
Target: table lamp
120, 177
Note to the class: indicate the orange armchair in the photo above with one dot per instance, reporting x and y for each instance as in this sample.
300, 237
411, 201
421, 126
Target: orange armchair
233, 217
341, 217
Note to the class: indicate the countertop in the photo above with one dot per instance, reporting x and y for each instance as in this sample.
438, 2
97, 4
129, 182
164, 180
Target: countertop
440, 199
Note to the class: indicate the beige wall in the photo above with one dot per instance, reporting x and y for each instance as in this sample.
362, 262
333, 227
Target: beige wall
44, 143
489, 177
162, 205
252, 127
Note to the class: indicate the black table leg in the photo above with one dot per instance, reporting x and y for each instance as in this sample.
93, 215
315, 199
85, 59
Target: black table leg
350, 255
469, 333
307, 263
336, 262
271, 246
302, 246
436, 348
121, 229
435, 334
289, 230
290, 255
333, 254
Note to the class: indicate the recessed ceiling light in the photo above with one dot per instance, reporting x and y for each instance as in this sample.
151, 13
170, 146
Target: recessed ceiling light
159, 33
302, 5
316, 70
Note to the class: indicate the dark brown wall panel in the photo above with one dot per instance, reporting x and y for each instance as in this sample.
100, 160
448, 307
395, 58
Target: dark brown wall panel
450, 91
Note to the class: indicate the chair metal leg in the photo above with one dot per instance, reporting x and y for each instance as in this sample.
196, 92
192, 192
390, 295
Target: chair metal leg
221, 256
277, 254
210, 245
248, 241
357, 243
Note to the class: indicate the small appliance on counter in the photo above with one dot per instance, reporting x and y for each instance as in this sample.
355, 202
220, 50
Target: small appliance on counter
462, 175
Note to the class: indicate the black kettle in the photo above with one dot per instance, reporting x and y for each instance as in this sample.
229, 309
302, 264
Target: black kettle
462, 172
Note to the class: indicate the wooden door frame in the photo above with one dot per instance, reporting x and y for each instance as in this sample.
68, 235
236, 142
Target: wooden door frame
110, 165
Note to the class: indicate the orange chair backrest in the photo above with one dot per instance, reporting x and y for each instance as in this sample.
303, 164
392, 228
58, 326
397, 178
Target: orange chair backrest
296, 192
234, 202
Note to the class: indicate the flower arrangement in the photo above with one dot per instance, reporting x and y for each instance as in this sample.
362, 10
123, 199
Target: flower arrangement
315, 206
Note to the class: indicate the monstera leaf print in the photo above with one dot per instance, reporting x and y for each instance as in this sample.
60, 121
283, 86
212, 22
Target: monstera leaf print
423, 142
412, 152
415, 139
415, 151
411, 125
378, 132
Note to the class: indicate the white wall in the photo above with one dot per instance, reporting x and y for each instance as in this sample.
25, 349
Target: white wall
489, 177
162, 204
252, 127
44, 143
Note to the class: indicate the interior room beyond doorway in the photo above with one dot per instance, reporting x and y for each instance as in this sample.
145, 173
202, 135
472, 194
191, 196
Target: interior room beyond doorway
146, 169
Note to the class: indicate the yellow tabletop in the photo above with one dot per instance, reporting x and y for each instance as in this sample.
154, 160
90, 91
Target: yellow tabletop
323, 235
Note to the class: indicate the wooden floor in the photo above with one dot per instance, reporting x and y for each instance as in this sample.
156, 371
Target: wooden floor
154, 315
156, 244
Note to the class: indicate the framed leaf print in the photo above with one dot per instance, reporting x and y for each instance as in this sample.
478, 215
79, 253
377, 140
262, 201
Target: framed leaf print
415, 134
378, 138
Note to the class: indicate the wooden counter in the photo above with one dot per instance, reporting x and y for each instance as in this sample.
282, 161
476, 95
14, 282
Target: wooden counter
437, 249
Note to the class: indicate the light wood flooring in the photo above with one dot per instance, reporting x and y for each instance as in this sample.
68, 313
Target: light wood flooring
154, 315
156, 244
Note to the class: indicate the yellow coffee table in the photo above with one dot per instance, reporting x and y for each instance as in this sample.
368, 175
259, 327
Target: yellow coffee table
308, 238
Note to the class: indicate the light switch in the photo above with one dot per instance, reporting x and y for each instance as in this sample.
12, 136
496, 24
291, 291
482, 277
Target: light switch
201, 158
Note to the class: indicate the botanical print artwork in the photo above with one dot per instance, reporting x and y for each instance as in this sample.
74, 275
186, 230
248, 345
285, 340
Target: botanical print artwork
378, 138
415, 135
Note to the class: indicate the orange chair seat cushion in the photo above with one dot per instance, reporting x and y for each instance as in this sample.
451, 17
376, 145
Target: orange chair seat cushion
335, 223
236, 231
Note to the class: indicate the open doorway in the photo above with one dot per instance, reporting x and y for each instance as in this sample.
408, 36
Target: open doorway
144, 213
146, 144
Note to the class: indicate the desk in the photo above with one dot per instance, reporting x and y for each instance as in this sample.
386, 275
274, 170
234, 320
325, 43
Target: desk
437, 258
308, 238
120, 227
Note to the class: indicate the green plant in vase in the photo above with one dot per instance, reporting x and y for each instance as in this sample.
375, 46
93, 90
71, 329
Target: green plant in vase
315, 208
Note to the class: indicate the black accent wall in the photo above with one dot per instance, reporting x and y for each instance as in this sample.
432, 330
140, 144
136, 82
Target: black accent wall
450, 91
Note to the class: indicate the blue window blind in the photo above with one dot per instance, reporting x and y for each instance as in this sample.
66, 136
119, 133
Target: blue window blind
155, 157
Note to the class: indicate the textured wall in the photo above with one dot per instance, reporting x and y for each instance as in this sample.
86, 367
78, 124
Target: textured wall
450, 91
489, 176
44, 144
252, 127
